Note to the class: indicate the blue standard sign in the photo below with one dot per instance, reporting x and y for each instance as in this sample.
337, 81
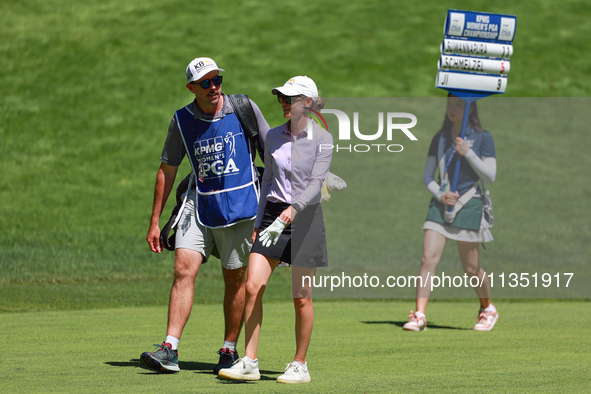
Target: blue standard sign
476, 52
480, 26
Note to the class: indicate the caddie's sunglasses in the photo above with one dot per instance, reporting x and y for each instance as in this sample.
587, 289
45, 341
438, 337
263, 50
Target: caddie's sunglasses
206, 83
287, 99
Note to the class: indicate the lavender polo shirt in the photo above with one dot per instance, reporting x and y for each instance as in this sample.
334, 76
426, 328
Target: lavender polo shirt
295, 167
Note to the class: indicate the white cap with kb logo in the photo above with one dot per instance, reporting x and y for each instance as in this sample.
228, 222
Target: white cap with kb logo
199, 67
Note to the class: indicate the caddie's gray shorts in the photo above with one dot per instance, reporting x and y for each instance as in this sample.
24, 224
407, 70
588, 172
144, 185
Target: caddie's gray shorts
233, 242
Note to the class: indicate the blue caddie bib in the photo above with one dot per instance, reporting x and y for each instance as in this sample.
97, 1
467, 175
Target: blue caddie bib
227, 191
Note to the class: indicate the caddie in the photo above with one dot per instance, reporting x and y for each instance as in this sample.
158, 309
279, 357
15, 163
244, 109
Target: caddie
219, 210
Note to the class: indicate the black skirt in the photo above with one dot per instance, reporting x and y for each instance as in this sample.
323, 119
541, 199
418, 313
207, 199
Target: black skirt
302, 243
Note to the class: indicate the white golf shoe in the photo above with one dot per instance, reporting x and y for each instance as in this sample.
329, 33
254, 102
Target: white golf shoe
242, 369
295, 372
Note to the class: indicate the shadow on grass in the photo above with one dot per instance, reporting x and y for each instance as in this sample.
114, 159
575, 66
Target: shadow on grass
135, 363
207, 368
402, 323
198, 367
225, 381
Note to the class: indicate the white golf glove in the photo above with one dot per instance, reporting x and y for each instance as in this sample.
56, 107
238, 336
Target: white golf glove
335, 182
271, 234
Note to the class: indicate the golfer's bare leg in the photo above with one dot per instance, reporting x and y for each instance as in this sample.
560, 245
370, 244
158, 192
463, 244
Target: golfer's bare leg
304, 309
186, 267
469, 254
433, 245
235, 282
304, 322
260, 269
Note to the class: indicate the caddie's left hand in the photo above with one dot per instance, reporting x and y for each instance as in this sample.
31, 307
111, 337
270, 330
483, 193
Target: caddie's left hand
461, 146
254, 235
271, 234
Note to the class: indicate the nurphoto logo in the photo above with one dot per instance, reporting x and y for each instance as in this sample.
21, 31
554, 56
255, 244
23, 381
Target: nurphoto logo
390, 122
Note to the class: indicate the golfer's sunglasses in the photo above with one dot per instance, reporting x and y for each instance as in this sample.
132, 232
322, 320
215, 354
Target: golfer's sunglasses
287, 99
206, 83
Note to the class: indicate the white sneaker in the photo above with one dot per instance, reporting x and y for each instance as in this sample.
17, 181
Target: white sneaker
415, 323
241, 370
295, 372
486, 320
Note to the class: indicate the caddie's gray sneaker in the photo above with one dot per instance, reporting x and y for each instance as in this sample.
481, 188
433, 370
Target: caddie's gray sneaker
241, 370
164, 359
295, 372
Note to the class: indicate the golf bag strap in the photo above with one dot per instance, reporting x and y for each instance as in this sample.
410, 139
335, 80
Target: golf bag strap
181, 197
449, 217
245, 113
464, 198
186, 186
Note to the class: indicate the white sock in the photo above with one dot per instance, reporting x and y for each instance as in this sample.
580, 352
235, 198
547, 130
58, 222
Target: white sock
490, 308
420, 314
229, 345
252, 362
174, 341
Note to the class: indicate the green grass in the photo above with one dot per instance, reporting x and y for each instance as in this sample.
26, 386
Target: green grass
356, 347
88, 89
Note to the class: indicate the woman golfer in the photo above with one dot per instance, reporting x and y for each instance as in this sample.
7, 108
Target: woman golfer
297, 160
468, 222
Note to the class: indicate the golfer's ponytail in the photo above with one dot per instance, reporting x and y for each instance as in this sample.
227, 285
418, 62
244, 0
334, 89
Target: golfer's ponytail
318, 104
